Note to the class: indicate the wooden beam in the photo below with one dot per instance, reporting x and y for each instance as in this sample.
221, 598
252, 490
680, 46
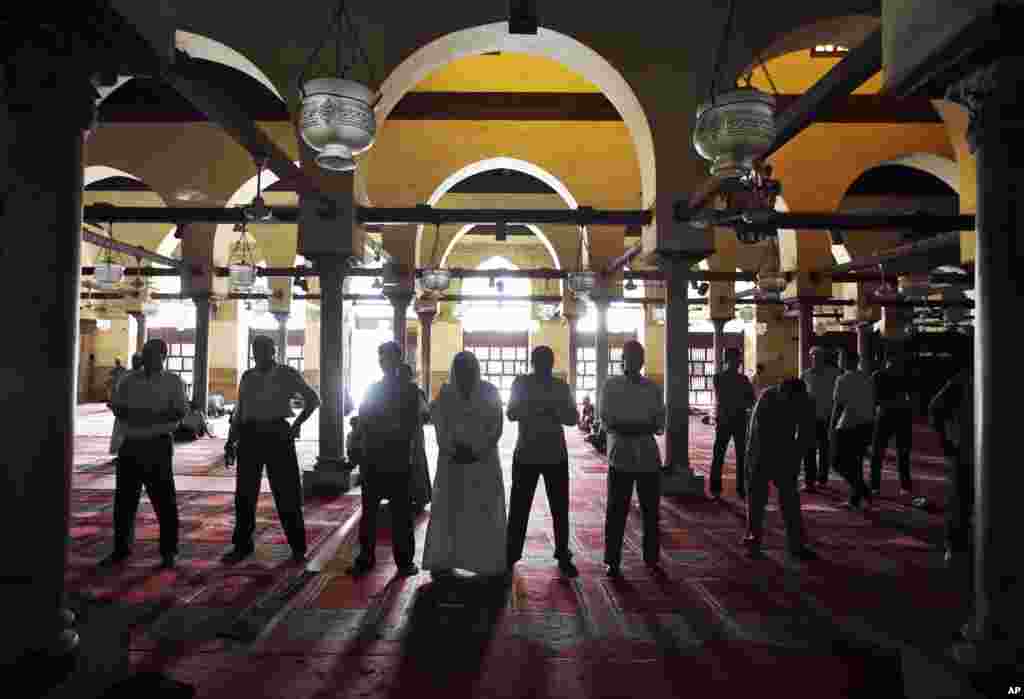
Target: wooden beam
534, 106
844, 77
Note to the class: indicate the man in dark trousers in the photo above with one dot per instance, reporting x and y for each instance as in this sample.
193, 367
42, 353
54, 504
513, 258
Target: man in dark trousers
781, 430
820, 381
388, 419
261, 435
734, 397
951, 414
633, 411
853, 412
895, 418
149, 405
541, 404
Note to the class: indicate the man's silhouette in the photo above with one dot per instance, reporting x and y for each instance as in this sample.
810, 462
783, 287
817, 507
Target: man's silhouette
261, 433
541, 404
734, 397
149, 404
781, 430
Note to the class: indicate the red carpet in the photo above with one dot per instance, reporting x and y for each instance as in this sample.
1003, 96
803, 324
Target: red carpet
714, 622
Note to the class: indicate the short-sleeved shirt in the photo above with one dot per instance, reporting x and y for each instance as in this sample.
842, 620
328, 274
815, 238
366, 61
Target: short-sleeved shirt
734, 395
821, 387
163, 391
264, 396
856, 393
628, 399
541, 438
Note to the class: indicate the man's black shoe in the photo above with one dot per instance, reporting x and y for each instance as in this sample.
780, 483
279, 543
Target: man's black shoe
568, 568
114, 558
167, 561
613, 571
408, 570
805, 554
741, 493
360, 567
236, 554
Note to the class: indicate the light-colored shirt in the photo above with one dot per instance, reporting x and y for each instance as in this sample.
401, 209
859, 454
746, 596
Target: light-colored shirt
632, 400
855, 392
541, 408
821, 386
267, 395
164, 391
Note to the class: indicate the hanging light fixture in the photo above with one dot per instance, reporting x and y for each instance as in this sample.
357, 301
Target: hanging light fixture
630, 285
143, 288
258, 209
337, 119
242, 262
583, 282
885, 290
109, 269
737, 127
435, 279
377, 284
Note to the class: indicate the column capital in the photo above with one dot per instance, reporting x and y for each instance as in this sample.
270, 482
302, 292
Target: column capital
399, 298
49, 75
993, 85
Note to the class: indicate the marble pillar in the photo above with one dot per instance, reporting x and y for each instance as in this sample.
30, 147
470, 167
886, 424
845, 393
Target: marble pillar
48, 107
996, 137
281, 339
601, 345
426, 311
201, 363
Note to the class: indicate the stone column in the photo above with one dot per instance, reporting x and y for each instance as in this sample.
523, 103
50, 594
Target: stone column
48, 106
331, 471
400, 305
282, 337
864, 346
140, 325
805, 326
601, 343
996, 137
426, 309
677, 364
570, 321
201, 363
719, 340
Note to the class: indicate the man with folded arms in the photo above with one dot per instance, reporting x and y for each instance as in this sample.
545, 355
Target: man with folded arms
541, 404
633, 410
149, 405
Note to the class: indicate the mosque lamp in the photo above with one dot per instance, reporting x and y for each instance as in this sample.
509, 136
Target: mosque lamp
108, 270
336, 118
241, 264
734, 129
435, 279
582, 283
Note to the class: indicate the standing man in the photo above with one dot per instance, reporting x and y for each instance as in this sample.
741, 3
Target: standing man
951, 414
781, 430
633, 411
388, 419
149, 405
261, 435
734, 397
541, 404
116, 374
895, 418
820, 381
853, 414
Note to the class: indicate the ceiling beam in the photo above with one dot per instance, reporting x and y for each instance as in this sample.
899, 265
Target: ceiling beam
537, 106
133, 250
844, 77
